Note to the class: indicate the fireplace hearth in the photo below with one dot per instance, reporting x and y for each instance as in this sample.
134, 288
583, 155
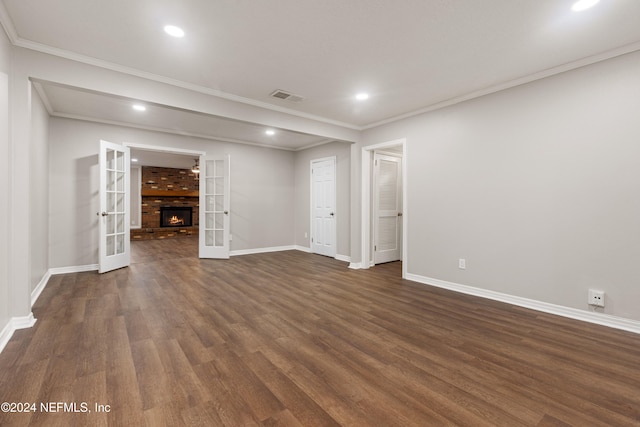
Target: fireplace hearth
176, 216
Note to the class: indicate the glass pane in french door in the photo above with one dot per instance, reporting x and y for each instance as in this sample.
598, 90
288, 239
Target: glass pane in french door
214, 203
115, 202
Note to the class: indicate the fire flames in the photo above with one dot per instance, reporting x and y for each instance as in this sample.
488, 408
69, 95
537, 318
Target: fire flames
174, 220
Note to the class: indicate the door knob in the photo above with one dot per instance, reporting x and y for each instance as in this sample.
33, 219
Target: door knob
226, 212
103, 213
332, 214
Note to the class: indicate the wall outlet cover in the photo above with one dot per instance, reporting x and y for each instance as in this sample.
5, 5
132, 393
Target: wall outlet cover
596, 298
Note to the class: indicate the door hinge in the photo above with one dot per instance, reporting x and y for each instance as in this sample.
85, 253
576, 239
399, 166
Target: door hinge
375, 248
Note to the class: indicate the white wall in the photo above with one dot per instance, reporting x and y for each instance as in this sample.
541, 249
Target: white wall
262, 188
342, 152
5, 66
537, 187
39, 190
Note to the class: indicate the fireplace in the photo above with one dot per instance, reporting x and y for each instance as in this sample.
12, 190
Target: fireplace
175, 216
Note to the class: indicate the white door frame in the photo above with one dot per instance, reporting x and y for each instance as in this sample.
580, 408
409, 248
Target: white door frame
385, 156
366, 185
159, 149
335, 201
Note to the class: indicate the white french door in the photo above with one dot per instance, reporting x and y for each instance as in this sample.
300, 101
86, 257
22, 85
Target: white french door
114, 207
214, 207
323, 206
387, 202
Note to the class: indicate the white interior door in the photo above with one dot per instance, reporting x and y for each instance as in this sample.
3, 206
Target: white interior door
114, 207
214, 207
323, 206
387, 191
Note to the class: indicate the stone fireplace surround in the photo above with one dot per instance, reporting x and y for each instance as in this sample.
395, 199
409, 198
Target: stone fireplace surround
166, 187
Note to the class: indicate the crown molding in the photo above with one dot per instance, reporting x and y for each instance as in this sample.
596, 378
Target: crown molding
167, 131
7, 24
89, 60
589, 60
16, 40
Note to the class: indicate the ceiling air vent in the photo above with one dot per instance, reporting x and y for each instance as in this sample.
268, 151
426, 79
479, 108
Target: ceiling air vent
283, 94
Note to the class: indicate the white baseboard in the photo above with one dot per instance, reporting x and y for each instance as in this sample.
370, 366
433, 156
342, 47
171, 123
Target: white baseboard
572, 313
262, 250
13, 325
40, 287
344, 258
35, 294
5, 334
73, 269
355, 265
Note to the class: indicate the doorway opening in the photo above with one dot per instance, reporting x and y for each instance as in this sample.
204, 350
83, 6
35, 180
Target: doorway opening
384, 219
168, 184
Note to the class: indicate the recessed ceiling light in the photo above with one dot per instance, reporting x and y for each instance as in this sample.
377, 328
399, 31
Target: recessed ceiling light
139, 107
583, 5
174, 31
270, 132
362, 96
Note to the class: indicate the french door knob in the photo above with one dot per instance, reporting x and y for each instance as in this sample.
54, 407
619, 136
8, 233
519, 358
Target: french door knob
226, 212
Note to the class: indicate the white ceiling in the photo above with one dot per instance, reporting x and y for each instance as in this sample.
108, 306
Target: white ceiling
410, 55
81, 104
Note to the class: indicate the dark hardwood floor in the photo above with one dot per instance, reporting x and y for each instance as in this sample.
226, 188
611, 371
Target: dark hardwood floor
298, 339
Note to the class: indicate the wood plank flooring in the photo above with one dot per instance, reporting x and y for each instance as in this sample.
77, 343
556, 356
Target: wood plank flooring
296, 339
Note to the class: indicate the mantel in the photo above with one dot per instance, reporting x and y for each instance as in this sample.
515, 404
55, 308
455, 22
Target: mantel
170, 193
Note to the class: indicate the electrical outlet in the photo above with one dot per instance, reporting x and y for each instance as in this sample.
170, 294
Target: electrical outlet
596, 298
462, 263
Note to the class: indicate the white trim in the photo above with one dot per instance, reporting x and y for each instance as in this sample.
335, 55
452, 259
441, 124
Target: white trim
23, 322
43, 96
139, 187
13, 325
163, 149
40, 287
343, 258
365, 220
355, 265
179, 132
262, 250
73, 269
6, 333
7, 24
559, 310
589, 60
40, 47
15, 39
